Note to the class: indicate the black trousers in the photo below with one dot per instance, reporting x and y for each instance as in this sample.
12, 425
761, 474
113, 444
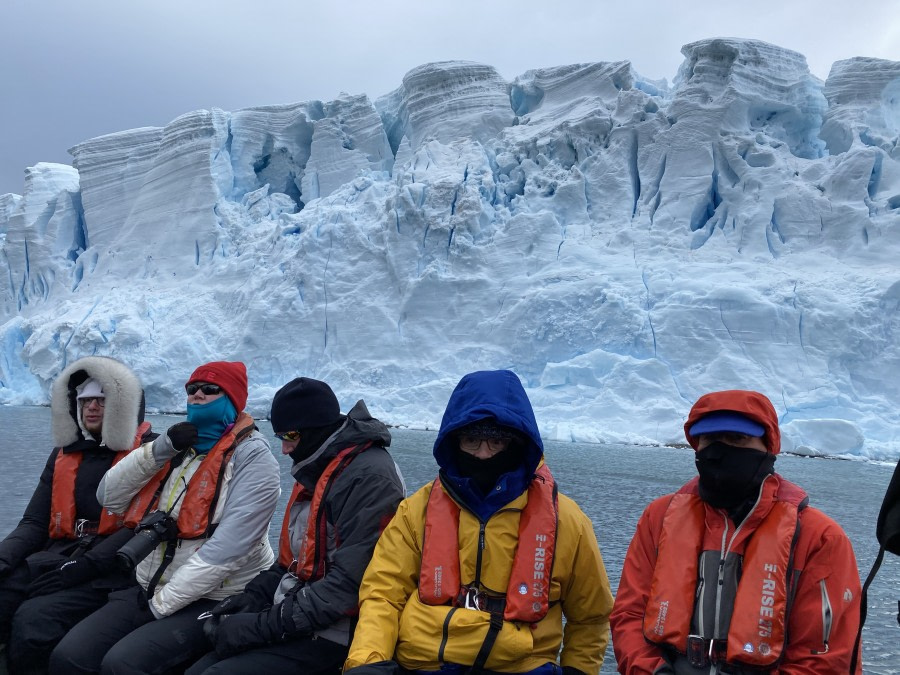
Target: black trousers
13, 591
41, 622
14, 586
309, 655
123, 638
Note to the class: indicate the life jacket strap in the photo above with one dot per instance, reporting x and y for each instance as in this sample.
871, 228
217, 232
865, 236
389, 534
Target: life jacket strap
489, 640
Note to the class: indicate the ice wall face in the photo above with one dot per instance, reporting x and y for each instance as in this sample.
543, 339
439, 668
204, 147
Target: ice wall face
623, 245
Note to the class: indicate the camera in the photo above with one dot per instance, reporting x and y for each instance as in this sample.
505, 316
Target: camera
154, 528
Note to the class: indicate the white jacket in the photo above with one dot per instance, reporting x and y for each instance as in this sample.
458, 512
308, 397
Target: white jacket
217, 566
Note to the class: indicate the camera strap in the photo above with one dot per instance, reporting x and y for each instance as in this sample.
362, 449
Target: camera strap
168, 556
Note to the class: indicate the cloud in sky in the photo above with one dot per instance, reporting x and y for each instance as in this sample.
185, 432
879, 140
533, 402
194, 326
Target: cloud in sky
74, 69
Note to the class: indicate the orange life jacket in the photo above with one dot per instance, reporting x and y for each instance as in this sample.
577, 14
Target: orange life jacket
758, 630
528, 591
199, 502
309, 564
63, 523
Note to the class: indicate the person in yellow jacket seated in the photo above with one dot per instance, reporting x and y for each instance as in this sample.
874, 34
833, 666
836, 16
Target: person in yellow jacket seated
477, 569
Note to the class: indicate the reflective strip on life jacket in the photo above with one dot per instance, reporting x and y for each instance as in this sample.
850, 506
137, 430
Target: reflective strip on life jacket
199, 502
528, 591
757, 633
310, 560
62, 494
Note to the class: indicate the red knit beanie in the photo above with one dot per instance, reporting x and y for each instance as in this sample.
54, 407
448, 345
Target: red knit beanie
230, 375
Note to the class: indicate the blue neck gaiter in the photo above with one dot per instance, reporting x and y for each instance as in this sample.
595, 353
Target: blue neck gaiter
211, 420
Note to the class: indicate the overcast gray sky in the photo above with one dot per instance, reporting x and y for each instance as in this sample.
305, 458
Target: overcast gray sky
75, 69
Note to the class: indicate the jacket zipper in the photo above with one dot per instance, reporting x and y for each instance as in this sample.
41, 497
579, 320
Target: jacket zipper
826, 617
445, 634
481, 528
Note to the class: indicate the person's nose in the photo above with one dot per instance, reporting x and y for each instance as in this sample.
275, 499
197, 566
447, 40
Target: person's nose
484, 450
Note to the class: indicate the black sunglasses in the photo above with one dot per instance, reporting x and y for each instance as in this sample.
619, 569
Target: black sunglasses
208, 389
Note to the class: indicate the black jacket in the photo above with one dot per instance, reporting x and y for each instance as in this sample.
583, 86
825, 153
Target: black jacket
358, 505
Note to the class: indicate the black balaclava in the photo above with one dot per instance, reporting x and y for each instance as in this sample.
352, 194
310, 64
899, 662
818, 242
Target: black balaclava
311, 439
486, 472
731, 475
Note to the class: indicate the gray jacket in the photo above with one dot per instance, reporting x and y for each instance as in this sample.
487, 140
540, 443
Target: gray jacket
358, 505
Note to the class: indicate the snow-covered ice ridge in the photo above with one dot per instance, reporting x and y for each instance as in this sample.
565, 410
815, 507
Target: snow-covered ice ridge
623, 244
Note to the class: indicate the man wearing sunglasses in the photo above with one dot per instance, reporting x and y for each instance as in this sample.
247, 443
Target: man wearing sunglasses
477, 569
61, 556
210, 486
298, 616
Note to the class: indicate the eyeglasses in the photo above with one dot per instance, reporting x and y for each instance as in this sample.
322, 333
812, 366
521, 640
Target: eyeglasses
289, 436
472, 443
208, 389
99, 400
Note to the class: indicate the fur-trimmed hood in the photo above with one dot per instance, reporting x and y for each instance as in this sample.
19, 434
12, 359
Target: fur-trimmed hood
123, 411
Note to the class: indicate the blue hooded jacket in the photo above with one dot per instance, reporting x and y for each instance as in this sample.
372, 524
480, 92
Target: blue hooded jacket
496, 394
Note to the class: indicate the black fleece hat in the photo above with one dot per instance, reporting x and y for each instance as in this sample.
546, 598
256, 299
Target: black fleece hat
488, 428
303, 404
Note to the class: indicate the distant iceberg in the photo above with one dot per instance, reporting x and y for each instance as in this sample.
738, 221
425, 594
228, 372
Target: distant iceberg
624, 244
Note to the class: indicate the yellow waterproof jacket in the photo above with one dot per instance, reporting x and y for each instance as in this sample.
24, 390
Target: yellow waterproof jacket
395, 624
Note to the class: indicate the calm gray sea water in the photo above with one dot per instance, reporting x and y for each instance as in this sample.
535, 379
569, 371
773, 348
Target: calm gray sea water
612, 484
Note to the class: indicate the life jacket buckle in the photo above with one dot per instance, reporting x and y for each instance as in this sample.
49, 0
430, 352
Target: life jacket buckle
85, 527
696, 653
701, 652
292, 568
471, 599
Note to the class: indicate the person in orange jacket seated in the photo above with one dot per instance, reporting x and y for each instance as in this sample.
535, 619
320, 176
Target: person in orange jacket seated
735, 572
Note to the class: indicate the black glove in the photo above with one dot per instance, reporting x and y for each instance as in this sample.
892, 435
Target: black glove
183, 435
263, 586
70, 573
242, 603
237, 604
239, 632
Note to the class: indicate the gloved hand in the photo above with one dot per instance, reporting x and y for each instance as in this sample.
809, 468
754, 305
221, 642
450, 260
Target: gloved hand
183, 435
263, 586
177, 438
239, 632
240, 603
237, 604
70, 573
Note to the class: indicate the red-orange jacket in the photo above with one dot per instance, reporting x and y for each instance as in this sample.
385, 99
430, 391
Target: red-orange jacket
827, 578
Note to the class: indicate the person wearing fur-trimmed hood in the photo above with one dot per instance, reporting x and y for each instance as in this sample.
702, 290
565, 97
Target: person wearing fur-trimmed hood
58, 565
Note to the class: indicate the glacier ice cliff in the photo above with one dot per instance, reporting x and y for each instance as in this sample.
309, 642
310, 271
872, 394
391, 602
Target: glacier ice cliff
623, 244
